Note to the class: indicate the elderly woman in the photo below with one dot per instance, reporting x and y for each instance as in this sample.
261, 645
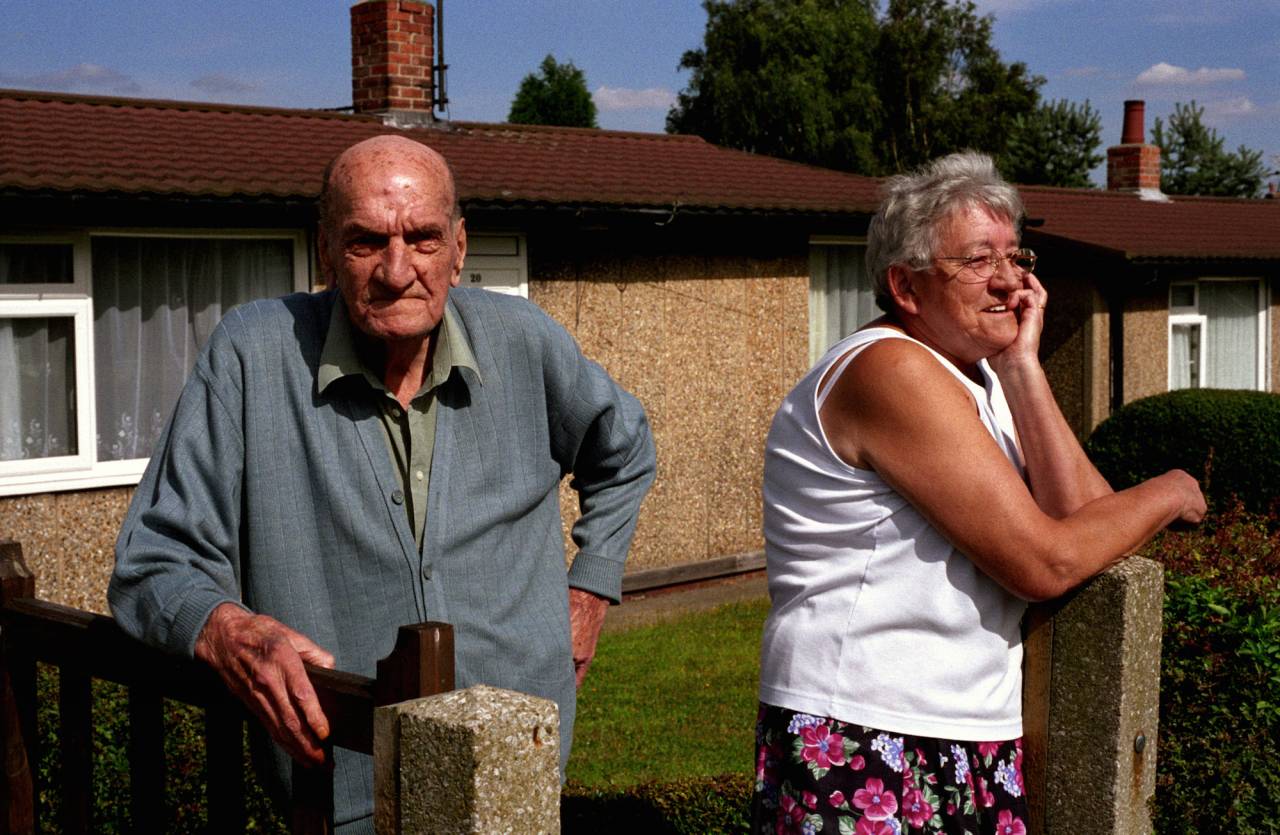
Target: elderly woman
920, 486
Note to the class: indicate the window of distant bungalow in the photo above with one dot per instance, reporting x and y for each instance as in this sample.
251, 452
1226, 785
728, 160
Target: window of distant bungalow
841, 298
1218, 334
99, 329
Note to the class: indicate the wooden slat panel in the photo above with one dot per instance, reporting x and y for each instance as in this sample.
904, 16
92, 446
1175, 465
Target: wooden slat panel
312, 812
224, 740
76, 735
18, 736
17, 741
146, 761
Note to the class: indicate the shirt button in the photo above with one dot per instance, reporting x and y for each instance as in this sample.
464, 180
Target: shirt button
395, 413
397, 497
420, 475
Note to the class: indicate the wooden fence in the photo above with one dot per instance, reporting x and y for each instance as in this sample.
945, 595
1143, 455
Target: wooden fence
84, 646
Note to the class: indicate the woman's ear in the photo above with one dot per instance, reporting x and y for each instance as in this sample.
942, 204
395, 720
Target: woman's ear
902, 288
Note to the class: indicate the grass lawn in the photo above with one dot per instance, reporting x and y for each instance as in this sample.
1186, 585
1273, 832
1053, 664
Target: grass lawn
676, 699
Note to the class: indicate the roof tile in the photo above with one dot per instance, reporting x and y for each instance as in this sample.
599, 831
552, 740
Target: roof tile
89, 144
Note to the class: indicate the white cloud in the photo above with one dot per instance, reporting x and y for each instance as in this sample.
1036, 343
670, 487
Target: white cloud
624, 98
1168, 74
1238, 107
81, 77
218, 83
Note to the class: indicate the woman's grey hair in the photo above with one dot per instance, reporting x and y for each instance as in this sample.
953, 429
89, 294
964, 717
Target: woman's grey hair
906, 228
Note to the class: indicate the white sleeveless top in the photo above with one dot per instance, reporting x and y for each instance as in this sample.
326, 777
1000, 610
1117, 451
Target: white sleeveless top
876, 619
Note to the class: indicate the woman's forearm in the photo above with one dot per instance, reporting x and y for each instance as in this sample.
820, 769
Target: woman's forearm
1061, 476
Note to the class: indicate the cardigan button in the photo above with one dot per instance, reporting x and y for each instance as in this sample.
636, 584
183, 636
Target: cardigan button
397, 497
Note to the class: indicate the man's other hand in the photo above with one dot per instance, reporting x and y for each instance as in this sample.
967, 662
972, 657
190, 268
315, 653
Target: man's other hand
586, 616
261, 662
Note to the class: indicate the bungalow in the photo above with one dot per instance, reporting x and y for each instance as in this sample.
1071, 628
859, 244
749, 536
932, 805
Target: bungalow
130, 226
1151, 292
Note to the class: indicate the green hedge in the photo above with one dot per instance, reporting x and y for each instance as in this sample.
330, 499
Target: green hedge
1229, 440
1219, 751
692, 806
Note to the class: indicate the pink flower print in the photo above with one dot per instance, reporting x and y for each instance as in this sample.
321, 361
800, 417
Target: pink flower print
988, 749
916, 808
822, 747
837, 798
810, 799
875, 802
867, 826
857, 763
983, 798
792, 816
1007, 824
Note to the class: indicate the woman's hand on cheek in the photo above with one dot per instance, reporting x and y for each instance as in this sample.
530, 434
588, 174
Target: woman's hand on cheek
1028, 305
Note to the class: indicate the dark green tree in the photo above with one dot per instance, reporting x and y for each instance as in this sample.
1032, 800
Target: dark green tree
942, 85
787, 78
1194, 161
834, 83
556, 95
1055, 145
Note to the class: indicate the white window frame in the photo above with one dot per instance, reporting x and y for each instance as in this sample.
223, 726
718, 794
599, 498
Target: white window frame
1191, 315
83, 470
25, 471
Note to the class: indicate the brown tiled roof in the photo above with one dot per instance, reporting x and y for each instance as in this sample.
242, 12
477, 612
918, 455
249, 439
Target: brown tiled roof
1198, 228
82, 144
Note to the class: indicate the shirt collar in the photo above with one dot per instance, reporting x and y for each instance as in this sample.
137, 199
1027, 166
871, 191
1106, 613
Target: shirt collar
341, 355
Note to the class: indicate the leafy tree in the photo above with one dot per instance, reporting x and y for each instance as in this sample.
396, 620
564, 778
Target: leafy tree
942, 85
788, 78
556, 95
1193, 160
834, 83
1056, 145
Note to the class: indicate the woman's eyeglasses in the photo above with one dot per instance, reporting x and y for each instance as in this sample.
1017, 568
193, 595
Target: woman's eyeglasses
978, 268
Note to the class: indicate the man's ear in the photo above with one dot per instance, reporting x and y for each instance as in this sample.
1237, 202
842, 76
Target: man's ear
460, 239
902, 288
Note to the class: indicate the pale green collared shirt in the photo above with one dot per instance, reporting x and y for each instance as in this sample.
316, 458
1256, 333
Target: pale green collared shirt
410, 434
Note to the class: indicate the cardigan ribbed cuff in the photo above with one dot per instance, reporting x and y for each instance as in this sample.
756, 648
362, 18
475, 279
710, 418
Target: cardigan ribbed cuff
191, 617
599, 575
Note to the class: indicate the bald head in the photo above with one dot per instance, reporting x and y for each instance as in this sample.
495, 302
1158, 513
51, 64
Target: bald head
384, 154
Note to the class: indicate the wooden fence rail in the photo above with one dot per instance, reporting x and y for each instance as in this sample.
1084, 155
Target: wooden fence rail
84, 646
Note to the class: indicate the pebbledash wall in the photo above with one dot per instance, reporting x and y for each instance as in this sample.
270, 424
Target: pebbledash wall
709, 342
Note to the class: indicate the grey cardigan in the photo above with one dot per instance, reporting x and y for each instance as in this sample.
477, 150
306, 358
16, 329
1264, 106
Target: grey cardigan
264, 491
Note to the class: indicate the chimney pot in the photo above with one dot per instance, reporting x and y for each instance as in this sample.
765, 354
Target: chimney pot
1134, 122
1134, 165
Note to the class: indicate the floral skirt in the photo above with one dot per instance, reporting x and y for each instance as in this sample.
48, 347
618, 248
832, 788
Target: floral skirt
815, 774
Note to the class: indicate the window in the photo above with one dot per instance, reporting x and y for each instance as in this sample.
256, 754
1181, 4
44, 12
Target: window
1217, 334
841, 298
98, 332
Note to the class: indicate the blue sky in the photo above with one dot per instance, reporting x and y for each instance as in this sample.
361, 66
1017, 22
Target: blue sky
1225, 54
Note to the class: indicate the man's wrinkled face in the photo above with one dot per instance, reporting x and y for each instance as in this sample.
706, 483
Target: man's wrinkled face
391, 241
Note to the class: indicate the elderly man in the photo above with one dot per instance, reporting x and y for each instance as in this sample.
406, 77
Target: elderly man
343, 463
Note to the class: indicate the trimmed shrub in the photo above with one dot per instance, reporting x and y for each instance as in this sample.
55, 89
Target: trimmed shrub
1218, 766
1229, 440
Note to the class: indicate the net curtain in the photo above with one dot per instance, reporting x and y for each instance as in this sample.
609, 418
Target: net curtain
156, 301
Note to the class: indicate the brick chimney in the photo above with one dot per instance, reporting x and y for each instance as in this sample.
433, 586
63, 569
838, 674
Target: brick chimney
1133, 165
392, 53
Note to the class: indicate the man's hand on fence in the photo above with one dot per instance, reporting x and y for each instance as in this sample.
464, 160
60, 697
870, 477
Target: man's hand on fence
586, 616
261, 662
